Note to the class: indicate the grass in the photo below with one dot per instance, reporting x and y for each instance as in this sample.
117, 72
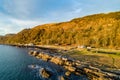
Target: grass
98, 57
105, 58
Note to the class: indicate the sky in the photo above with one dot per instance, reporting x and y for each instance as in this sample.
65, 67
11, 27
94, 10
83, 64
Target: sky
16, 15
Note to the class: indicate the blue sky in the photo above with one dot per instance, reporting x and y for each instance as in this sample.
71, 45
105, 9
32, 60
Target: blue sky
16, 15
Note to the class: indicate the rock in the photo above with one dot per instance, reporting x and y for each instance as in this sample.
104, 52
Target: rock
65, 59
93, 74
67, 73
46, 57
61, 78
57, 60
31, 52
77, 73
77, 63
70, 68
69, 63
35, 53
37, 57
40, 55
45, 73
33, 66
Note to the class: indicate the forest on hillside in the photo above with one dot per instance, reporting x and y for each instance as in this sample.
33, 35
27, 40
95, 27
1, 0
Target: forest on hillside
98, 30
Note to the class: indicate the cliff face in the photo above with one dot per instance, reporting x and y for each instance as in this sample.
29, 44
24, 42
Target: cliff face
96, 30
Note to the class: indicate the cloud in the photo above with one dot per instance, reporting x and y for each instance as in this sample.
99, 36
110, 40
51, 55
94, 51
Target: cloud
7, 28
13, 25
16, 15
74, 10
27, 23
10, 24
18, 8
42, 9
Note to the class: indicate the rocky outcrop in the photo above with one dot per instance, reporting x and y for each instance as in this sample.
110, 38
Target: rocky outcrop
70, 68
67, 73
57, 60
75, 67
44, 73
43, 56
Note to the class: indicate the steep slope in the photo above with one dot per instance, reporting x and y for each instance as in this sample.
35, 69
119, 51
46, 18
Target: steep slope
96, 30
5, 39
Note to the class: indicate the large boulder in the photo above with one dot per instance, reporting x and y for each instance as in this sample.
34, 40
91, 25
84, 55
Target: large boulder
69, 63
70, 68
46, 57
40, 55
95, 74
45, 73
67, 73
35, 53
57, 60
77, 63
31, 52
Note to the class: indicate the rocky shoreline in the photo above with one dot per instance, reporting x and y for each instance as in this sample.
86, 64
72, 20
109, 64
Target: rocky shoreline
75, 66
34, 47
72, 66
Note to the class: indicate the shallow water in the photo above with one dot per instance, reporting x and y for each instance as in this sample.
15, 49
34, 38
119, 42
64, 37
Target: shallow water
15, 62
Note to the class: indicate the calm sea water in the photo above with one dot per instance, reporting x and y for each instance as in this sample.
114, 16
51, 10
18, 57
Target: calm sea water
15, 62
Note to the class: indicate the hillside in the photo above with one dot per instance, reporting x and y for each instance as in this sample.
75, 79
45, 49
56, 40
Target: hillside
98, 30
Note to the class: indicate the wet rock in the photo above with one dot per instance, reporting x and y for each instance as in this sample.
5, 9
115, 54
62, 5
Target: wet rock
33, 66
67, 73
31, 52
69, 63
45, 73
75, 67
77, 63
77, 73
40, 55
46, 57
64, 59
35, 53
94, 75
37, 57
61, 78
57, 60
70, 68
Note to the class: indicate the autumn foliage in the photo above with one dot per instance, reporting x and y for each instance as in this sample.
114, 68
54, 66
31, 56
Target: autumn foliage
99, 30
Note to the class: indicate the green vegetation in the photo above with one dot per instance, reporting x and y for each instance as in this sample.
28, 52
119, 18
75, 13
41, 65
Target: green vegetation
98, 30
100, 60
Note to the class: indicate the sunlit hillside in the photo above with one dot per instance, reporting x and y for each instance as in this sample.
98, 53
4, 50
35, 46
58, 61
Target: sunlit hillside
98, 30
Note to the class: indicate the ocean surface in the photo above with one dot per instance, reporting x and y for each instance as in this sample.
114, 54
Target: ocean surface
15, 65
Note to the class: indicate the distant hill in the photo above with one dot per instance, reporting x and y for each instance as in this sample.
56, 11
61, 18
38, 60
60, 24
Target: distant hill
8, 35
4, 39
99, 30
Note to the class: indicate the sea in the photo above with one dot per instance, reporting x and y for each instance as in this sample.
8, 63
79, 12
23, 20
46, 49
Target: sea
15, 64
